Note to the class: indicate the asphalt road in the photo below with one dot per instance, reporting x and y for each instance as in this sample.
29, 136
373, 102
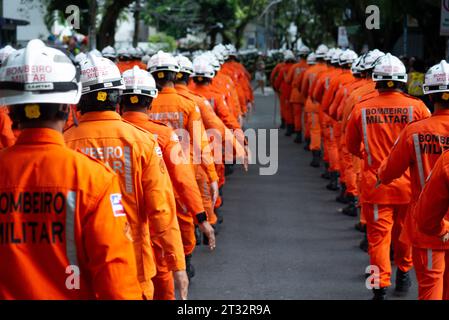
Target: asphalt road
282, 237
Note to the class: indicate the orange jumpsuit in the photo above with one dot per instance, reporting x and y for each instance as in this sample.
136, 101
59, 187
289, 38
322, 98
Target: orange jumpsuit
419, 147
125, 65
430, 213
296, 100
226, 85
7, 137
188, 197
376, 124
285, 93
147, 191
60, 214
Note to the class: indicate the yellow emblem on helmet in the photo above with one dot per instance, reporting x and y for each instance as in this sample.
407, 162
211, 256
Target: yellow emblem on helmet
390, 84
101, 96
445, 96
161, 75
32, 111
134, 99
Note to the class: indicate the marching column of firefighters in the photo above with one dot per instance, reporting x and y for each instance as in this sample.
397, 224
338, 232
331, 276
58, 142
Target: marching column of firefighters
378, 146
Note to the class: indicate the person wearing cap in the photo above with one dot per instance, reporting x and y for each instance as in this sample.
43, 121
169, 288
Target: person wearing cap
76, 244
109, 53
418, 148
311, 107
372, 130
135, 101
137, 159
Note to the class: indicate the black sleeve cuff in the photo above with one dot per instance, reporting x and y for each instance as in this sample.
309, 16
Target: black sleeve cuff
201, 217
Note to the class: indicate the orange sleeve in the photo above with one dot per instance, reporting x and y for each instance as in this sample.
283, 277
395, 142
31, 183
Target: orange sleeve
7, 137
398, 161
318, 89
279, 79
341, 93
328, 97
433, 204
110, 255
354, 137
224, 114
161, 207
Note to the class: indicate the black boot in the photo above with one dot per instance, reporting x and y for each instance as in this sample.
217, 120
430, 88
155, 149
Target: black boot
364, 244
326, 175
403, 283
307, 144
316, 159
352, 210
360, 227
229, 169
343, 197
290, 130
282, 124
190, 269
298, 138
380, 294
219, 215
333, 185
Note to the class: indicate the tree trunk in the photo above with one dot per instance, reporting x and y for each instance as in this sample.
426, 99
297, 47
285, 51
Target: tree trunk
93, 24
106, 32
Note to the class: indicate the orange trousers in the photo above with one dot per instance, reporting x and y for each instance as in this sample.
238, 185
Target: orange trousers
432, 273
203, 184
286, 109
384, 225
187, 228
332, 146
164, 286
315, 131
305, 124
297, 116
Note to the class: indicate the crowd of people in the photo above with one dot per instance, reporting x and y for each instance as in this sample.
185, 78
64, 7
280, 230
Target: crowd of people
113, 166
382, 150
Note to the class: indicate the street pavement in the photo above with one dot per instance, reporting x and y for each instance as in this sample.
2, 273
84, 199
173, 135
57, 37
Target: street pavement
282, 237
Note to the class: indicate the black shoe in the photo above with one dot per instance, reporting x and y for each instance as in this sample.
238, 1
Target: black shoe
333, 185
343, 197
326, 174
197, 235
360, 227
352, 209
403, 283
316, 159
219, 215
290, 130
190, 269
282, 124
229, 169
380, 294
307, 145
298, 138
364, 244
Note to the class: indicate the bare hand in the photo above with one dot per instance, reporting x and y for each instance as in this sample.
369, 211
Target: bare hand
181, 284
209, 232
214, 188
445, 238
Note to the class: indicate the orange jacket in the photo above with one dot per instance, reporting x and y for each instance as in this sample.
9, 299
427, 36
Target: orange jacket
179, 168
432, 207
377, 123
275, 74
179, 112
322, 83
228, 88
60, 209
295, 78
419, 147
365, 92
243, 78
342, 94
336, 82
213, 122
282, 80
240, 81
7, 137
147, 191
308, 86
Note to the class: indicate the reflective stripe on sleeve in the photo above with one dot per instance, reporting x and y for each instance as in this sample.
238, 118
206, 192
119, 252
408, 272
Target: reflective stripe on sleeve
376, 212
128, 170
70, 228
365, 137
429, 259
410, 114
419, 162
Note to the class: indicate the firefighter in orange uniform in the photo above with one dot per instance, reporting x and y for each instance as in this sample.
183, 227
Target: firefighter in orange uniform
76, 244
419, 147
377, 123
136, 157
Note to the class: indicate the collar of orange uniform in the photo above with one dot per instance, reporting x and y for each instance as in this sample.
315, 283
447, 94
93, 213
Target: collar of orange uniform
135, 116
40, 136
441, 112
167, 90
181, 87
100, 115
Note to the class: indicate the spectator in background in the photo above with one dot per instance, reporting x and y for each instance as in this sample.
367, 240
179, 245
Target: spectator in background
261, 76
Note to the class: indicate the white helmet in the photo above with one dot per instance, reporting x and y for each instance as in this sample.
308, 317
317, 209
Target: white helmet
123, 53
203, 68
329, 54
321, 51
138, 81
185, 65
145, 59
390, 68
96, 53
369, 60
232, 50
304, 50
80, 57
109, 52
39, 74
5, 52
212, 60
289, 55
162, 61
221, 49
348, 57
437, 78
98, 73
311, 59
336, 57
132, 52
355, 68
